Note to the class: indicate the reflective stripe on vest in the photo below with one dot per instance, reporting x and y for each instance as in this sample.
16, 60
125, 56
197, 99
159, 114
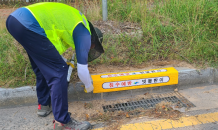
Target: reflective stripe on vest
58, 20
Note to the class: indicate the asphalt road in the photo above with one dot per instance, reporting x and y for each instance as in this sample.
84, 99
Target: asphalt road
25, 118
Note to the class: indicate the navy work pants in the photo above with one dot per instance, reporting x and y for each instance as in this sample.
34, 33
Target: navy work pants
49, 67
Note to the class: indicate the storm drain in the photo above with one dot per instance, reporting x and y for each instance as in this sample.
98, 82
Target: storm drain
175, 98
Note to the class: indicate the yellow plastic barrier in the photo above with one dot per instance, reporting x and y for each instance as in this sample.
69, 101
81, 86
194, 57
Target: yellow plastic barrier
134, 80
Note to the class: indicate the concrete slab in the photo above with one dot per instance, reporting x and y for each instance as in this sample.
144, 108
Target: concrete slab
25, 118
204, 97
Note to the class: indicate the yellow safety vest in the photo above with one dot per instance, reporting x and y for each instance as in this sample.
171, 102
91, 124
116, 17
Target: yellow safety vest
58, 20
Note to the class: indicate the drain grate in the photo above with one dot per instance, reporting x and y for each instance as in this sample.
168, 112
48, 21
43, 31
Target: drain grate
174, 97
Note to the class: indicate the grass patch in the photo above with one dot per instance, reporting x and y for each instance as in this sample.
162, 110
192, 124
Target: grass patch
91, 9
182, 30
14, 61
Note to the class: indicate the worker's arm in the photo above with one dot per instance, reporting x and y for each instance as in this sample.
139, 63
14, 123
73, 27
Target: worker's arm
82, 41
82, 64
84, 75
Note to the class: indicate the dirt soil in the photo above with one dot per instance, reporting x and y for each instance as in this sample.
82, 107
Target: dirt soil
98, 69
114, 27
4, 13
79, 109
92, 111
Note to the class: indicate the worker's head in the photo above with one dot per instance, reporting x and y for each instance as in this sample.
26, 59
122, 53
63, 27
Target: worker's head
96, 43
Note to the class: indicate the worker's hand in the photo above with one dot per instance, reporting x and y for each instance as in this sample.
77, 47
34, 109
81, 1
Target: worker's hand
89, 89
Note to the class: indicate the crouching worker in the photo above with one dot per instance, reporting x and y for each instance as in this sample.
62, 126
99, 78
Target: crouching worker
46, 30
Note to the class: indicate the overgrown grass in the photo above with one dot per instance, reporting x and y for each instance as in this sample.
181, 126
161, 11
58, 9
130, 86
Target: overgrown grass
91, 9
14, 63
184, 30
172, 29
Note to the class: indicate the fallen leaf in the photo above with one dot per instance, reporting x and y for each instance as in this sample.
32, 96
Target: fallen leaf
146, 93
87, 117
100, 113
127, 115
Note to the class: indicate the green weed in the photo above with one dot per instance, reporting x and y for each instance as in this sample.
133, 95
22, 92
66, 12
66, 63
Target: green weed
16, 69
185, 30
172, 30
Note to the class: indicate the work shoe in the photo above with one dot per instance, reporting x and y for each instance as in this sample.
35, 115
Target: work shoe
72, 125
43, 111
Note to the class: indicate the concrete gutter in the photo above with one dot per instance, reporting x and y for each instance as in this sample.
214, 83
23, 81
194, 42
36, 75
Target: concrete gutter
187, 78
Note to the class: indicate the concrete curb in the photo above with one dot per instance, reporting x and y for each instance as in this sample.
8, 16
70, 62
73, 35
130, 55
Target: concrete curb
187, 77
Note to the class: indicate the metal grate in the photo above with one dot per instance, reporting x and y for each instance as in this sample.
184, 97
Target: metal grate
174, 97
